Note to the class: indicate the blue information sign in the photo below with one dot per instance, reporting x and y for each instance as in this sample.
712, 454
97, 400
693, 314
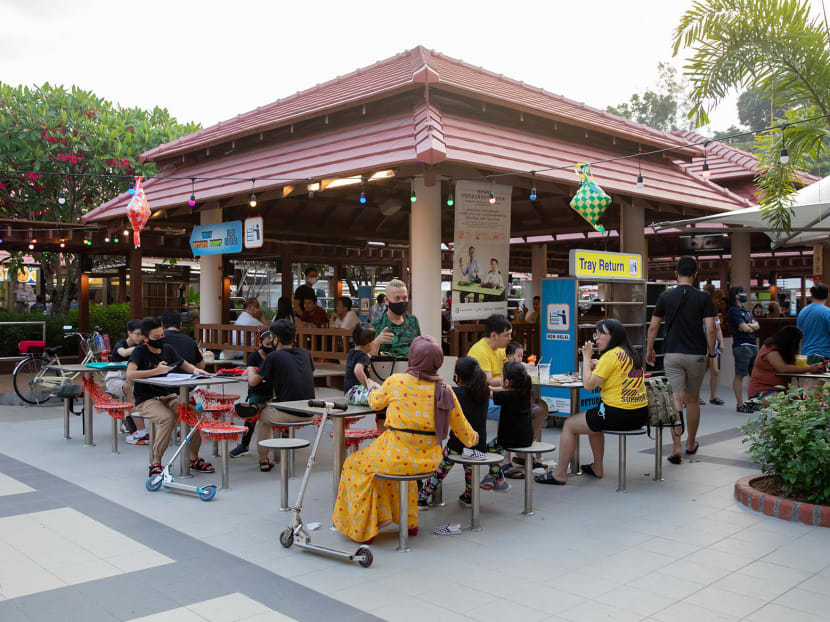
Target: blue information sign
364, 295
218, 239
560, 330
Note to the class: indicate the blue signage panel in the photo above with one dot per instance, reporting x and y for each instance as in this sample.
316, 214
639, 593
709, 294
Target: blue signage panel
218, 239
559, 333
364, 295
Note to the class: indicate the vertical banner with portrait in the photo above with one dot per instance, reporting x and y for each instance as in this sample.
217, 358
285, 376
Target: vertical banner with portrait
481, 250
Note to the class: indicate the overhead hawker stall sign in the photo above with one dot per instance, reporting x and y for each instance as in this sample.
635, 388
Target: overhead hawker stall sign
600, 265
481, 250
218, 239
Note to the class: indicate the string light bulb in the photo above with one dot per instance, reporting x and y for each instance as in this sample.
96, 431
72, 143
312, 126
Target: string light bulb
450, 200
705, 173
116, 239
126, 232
412, 197
492, 199
31, 247
532, 185
785, 157
192, 201
640, 182
107, 238
61, 198
252, 202
131, 190
62, 244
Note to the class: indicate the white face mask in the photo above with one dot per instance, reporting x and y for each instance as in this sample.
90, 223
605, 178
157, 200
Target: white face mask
311, 280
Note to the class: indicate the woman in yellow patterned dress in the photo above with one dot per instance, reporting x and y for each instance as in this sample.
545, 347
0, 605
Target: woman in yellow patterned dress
420, 409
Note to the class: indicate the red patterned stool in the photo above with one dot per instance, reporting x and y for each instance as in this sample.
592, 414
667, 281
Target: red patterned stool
103, 402
355, 437
222, 432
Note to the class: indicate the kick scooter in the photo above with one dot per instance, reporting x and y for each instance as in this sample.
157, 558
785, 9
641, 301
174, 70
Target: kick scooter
153, 483
298, 532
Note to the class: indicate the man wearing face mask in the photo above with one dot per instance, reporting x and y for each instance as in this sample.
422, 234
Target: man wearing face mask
184, 345
306, 290
395, 329
159, 404
743, 327
260, 394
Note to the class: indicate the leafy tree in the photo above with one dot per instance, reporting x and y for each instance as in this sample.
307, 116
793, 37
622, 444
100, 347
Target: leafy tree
743, 142
774, 47
756, 110
662, 109
73, 145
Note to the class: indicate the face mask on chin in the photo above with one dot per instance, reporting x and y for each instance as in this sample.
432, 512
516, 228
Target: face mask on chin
156, 343
398, 308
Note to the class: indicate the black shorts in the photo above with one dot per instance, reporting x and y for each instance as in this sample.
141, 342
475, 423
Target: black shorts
610, 418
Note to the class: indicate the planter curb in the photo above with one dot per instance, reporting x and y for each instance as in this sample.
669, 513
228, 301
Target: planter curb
779, 507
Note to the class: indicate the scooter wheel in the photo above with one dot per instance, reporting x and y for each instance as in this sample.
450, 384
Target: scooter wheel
207, 493
287, 538
366, 553
153, 483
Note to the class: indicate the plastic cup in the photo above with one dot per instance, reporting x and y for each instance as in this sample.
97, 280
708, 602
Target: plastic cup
544, 373
800, 360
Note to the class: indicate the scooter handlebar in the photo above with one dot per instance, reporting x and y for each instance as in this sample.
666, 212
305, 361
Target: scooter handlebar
329, 405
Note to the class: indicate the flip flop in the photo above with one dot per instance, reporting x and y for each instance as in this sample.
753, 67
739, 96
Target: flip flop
693, 451
548, 478
589, 470
674, 459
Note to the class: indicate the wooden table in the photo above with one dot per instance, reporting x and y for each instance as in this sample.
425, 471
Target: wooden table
325, 370
184, 386
825, 376
301, 407
575, 388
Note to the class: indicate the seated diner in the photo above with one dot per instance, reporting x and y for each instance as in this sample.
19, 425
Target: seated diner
777, 356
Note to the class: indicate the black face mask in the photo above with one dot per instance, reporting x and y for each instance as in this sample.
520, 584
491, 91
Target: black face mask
267, 349
156, 343
398, 308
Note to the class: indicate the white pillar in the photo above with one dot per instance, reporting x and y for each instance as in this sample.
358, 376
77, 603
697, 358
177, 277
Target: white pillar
425, 248
210, 277
538, 269
741, 273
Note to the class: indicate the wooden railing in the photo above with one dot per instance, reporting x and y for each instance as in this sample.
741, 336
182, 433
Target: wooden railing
462, 337
770, 326
327, 343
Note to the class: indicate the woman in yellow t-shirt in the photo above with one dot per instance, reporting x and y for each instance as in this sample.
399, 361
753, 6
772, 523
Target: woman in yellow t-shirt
623, 403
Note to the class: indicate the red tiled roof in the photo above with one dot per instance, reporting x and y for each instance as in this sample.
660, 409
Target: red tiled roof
726, 163
424, 136
402, 72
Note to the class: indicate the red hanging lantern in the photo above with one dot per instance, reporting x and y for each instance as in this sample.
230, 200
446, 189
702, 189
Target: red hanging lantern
138, 211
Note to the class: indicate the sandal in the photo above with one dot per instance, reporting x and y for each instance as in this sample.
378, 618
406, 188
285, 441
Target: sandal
514, 473
200, 466
156, 469
588, 469
693, 451
266, 466
717, 401
674, 459
548, 478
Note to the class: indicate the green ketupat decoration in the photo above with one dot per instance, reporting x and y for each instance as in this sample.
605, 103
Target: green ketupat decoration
590, 200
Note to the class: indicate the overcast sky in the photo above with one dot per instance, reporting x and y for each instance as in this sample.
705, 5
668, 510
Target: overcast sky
208, 61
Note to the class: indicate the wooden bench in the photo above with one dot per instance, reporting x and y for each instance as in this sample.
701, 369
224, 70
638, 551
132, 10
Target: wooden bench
322, 343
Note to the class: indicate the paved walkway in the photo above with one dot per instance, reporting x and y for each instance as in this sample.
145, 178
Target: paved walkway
80, 538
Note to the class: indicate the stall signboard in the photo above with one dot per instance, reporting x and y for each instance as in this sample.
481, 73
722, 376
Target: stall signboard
364, 296
559, 328
25, 274
254, 232
481, 250
600, 265
218, 239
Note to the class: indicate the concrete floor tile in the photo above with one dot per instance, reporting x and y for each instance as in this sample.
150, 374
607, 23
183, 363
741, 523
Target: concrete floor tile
720, 600
691, 571
640, 602
502, 609
819, 583
579, 585
778, 613
755, 587
666, 585
547, 599
785, 576
598, 612
806, 601
85, 571
228, 608
11, 486
687, 612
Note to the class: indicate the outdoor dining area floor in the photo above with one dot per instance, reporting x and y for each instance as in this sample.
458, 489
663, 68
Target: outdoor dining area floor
81, 539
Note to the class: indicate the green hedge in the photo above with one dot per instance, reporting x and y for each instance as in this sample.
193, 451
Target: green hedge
112, 320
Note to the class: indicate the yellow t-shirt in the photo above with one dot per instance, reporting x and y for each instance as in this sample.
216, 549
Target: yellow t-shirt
623, 386
490, 360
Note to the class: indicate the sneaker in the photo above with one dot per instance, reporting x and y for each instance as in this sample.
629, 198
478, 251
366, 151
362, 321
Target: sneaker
239, 450
466, 501
135, 439
501, 485
129, 424
473, 454
496, 484
423, 504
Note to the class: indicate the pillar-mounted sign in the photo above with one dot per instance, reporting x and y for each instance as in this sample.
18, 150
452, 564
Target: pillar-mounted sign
218, 239
601, 265
254, 232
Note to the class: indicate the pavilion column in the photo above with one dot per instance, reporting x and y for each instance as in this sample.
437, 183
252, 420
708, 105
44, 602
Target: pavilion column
122, 285
723, 275
210, 276
821, 262
83, 303
425, 257
538, 269
741, 260
287, 274
632, 229
136, 293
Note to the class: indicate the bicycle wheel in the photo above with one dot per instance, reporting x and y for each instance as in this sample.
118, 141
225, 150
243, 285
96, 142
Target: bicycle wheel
25, 377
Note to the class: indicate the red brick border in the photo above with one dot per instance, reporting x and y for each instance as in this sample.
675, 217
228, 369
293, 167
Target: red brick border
779, 507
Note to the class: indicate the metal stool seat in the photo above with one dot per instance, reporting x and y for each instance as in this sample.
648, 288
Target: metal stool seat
475, 494
403, 509
67, 392
291, 427
284, 444
535, 448
623, 435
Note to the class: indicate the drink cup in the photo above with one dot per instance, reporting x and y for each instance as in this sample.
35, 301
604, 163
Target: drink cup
544, 373
800, 360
